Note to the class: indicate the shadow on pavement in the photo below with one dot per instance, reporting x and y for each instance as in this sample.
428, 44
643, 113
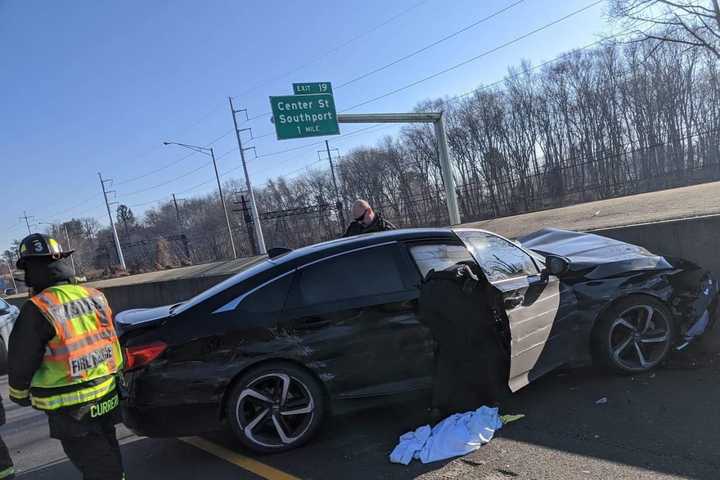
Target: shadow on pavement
666, 421
350, 447
156, 459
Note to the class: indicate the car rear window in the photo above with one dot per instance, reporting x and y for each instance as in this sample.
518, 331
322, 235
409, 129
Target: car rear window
373, 271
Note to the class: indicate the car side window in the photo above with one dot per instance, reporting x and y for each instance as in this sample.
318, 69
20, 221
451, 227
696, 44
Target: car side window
373, 271
438, 256
4, 305
499, 258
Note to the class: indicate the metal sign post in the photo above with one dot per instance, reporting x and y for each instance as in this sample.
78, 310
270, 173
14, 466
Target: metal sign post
438, 120
311, 113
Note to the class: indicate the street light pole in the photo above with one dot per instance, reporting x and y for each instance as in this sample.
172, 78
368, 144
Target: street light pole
211, 154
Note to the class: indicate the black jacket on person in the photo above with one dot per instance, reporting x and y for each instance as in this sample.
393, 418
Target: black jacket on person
379, 224
457, 306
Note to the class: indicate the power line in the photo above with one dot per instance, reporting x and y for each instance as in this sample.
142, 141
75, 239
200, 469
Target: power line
173, 163
477, 57
332, 50
431, 45
457, 65
162, 184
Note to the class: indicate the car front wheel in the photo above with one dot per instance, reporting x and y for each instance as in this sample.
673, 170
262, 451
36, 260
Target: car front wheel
634, 335
275, 407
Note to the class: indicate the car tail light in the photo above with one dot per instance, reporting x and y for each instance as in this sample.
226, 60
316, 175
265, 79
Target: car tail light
141, 355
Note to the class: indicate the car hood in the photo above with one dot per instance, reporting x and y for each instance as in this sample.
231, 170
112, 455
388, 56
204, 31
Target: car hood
599, 256
128, 320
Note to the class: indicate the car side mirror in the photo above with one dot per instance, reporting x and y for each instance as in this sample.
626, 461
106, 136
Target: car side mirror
556, 265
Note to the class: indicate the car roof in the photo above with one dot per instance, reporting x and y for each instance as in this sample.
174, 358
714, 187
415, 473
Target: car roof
365, 240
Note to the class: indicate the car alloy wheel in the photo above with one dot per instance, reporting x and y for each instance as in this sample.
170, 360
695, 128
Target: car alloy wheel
276, 410
635, 335
639, 338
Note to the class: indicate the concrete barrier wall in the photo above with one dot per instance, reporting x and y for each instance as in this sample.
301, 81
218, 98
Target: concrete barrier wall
152, 294
696, 239
145, 295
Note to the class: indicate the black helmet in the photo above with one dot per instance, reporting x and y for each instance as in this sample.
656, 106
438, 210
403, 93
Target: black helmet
39, 245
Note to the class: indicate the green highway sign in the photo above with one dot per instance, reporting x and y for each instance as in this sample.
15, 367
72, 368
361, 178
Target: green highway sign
299, 116
311, 88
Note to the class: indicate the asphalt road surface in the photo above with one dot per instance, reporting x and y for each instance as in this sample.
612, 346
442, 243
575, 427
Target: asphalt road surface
663, 425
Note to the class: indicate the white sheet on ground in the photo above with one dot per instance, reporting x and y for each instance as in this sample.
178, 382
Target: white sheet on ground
457, 435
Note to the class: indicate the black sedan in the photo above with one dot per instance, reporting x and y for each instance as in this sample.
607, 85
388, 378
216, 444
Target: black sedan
334, 326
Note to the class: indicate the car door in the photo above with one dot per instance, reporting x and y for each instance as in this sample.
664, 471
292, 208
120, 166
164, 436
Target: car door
531, 301
353, 313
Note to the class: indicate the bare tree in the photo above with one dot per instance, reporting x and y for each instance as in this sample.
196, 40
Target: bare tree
691, 23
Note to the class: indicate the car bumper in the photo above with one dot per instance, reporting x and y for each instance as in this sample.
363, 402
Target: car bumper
178, 421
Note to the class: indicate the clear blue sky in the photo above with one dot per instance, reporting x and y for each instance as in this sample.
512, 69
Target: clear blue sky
96, 85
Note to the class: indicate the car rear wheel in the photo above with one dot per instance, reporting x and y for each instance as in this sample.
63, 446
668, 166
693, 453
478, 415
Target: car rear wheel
275, 407
634, 335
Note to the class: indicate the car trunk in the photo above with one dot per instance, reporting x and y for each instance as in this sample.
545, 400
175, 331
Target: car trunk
141, 318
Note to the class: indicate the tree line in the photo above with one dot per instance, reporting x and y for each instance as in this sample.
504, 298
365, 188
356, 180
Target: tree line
617, 119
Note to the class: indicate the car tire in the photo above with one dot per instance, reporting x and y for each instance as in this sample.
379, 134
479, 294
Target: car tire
3, 357
275, 407
634, 335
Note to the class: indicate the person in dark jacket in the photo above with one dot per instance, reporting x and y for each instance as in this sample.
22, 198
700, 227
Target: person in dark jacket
456, 304
63, 360
366, 220
7, 468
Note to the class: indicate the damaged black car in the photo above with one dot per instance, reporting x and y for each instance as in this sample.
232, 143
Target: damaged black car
334, 327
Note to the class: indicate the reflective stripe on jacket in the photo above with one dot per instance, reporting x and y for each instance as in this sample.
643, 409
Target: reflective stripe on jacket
85, 352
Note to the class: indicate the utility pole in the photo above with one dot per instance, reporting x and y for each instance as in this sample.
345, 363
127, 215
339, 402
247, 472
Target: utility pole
211, 153
181, 230
12, 277
261, 250
222, 199
118, 248
338, 201
248, 223
27, 222
72, 260
177, 211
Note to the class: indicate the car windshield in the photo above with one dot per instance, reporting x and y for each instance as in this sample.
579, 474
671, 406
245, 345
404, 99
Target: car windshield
243, 275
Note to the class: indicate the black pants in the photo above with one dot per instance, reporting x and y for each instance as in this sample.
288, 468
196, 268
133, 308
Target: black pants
96, 454
6, 463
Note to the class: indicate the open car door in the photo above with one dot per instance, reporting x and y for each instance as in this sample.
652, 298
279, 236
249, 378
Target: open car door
531, 302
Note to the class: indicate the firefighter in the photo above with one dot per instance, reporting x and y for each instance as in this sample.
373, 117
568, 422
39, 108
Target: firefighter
64, 358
